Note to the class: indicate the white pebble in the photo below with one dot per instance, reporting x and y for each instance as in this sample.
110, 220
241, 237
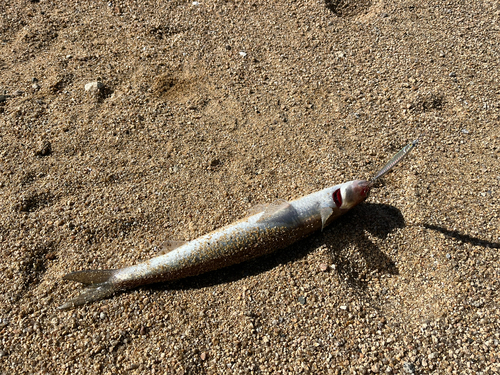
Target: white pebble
94, 86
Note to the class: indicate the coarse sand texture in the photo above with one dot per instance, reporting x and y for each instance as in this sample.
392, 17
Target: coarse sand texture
125, 124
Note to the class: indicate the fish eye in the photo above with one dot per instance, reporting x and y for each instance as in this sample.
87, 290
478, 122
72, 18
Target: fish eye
337, 198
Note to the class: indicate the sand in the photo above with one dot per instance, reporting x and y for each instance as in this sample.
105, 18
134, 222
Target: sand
205, 109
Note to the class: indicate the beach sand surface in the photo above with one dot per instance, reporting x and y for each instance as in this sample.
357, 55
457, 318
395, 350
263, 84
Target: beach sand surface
124, 124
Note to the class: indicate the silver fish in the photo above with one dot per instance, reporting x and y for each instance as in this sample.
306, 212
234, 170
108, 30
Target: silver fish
275, 227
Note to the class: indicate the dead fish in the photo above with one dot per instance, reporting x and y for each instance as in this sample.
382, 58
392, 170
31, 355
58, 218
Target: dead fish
274, 227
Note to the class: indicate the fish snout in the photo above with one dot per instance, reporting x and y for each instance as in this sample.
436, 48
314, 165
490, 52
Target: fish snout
351, 193
361, 189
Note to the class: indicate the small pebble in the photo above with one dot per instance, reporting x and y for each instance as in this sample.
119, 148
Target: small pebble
44, 149
94, 86
323, 267
302, 300
4, 322
102, 315
243, 54
409, 367
203, 356
453, 74
51, 256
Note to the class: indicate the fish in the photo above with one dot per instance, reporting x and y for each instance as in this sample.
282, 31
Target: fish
269, 229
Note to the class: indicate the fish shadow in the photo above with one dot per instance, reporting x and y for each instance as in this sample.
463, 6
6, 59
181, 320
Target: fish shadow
348, 232
354, 254
465, 238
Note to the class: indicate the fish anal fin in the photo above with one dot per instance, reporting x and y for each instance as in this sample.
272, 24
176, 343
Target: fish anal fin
170, 245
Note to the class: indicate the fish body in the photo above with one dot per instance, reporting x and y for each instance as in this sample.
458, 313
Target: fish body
269, 230
274, 228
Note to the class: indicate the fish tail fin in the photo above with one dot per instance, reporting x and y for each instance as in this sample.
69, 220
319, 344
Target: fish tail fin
100, 287
90, 277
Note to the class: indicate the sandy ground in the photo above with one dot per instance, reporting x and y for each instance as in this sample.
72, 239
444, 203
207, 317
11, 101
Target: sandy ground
207, 109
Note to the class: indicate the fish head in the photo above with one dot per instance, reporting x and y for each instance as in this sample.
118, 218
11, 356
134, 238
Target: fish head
351, 193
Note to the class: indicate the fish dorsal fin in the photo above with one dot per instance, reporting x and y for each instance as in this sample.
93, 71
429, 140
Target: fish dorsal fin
325, 212
170, 245
257, 209
279, 212
271, 209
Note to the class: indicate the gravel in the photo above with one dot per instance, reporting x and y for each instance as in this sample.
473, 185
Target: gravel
186, 136
94, 86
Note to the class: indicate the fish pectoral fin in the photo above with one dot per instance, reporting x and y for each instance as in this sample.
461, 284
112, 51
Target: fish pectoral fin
325, 212
279, 212
170, 245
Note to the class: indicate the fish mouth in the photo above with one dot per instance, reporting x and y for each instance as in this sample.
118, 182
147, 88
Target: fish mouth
354, 193
362, 188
